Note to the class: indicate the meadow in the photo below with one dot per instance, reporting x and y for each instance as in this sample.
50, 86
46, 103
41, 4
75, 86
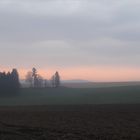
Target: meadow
108, 113
74, 96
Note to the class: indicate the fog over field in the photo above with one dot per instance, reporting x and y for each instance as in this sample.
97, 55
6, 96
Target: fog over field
69, 70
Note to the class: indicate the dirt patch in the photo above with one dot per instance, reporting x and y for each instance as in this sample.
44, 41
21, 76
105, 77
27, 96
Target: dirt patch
85, 122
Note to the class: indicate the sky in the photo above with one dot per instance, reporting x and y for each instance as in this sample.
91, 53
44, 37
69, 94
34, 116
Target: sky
95, 40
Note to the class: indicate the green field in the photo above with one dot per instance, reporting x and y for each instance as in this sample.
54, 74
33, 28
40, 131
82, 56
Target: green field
64, 96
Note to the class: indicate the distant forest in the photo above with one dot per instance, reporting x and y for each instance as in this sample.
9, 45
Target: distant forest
10, 83
35, 80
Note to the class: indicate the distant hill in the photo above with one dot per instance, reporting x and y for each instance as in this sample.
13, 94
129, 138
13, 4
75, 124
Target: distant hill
75, 81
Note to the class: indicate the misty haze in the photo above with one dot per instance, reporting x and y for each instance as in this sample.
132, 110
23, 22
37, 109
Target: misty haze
69, 70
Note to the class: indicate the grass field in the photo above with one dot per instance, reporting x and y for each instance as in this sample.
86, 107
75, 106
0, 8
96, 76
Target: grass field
110, 113
65, 96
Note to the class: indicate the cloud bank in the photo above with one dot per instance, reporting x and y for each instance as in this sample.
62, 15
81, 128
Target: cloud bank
70, 33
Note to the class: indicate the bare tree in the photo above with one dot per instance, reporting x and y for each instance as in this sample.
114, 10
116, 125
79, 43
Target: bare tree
34, 75
29, 78
53, 81
40, 81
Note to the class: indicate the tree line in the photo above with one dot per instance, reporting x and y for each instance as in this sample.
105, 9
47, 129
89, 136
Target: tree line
35, 80
9, 82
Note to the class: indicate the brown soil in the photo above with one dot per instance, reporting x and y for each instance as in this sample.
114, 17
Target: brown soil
85, 122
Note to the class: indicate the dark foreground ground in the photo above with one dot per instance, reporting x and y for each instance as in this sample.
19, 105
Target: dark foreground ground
83, 122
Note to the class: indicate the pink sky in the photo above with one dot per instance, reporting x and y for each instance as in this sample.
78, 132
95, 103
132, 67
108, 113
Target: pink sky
73, 37
98, 74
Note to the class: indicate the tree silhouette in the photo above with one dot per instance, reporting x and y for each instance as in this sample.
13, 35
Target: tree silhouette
40, 81
53, 81
15, 80
34, 75
29, 78
57, 79
9, 82
34, 79
37, 81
